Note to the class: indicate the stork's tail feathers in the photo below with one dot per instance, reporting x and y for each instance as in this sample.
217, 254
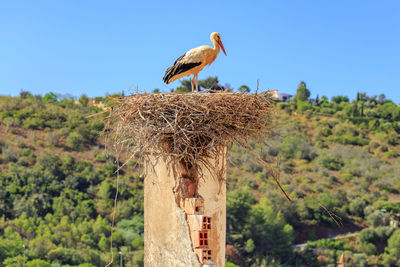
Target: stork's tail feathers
168, 74
180, 66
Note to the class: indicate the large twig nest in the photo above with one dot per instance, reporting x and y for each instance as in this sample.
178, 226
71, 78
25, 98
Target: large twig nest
188, 127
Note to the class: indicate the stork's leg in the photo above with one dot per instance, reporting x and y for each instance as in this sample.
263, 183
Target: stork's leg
197, 82
192, 82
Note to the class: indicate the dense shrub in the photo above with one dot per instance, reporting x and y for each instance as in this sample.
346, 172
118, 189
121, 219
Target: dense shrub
357, 206
331, 162
394, 244
367, 236
34, 123
297, 147
38, 263
328, 243
75, 141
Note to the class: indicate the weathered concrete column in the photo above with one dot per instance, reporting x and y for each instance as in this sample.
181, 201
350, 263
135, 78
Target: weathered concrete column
187, 231
213, 190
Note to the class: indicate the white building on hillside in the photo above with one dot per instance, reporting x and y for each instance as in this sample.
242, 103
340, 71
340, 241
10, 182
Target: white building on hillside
277, 96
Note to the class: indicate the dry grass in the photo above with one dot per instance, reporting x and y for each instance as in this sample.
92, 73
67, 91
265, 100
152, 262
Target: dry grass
189, 127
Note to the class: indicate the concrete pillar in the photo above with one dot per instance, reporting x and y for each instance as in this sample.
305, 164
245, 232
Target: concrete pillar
184, 229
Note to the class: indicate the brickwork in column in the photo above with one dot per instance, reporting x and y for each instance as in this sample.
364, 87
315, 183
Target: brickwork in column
200, 226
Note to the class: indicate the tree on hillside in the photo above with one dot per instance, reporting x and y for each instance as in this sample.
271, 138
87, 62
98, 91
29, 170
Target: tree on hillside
228, 87
361, 97
381, 99
339, 99
24, 94
373, 101
394, 244
317, 101
50, 98
244, 89
84, 100
211, 83
302, 92
362, 109
186, 86
355, 109
324, 100
271, 236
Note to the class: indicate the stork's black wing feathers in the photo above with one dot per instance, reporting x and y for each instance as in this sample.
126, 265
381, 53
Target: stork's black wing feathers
178, 68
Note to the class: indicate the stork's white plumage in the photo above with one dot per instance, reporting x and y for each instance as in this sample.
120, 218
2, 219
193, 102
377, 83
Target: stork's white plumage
193, 61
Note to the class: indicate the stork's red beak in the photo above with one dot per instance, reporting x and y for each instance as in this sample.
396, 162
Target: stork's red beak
222, 46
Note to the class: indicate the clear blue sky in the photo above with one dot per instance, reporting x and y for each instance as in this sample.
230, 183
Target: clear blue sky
98, 47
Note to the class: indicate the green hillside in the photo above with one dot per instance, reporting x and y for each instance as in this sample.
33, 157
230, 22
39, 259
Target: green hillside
338, 161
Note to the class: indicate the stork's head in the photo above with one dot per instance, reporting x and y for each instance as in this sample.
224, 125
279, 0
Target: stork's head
215, 36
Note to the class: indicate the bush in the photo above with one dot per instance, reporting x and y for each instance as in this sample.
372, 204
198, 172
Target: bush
373, 145
100, 156
331, 162
288, 166
357, 206
12, 122
9, 154
34, 123
392, 154
303, 106
308, 114
378, 218
394, 244
359, 260
328, 243
339, 99
368, 248
83, 100
271, 235
322, 131
53, 138
282, 105
389, 206
327, 111
367, 235
383, 148
137, 243
75, 141
297, 147
17, 261
346, 128
38, 263
351, 140
383, 232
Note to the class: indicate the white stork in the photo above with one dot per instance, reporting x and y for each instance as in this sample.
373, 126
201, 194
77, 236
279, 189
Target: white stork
193, 61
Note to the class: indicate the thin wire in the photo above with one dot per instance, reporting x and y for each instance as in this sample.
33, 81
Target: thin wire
114, 210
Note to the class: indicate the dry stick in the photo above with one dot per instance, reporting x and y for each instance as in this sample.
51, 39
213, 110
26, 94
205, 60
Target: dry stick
275, 174
332, 215
95, 114
267, 165
126, 162
258, 83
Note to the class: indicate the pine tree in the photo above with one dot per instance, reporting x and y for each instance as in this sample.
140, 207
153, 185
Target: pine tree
302, 92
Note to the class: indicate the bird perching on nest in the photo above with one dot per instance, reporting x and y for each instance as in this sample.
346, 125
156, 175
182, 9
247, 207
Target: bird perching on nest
193, 61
